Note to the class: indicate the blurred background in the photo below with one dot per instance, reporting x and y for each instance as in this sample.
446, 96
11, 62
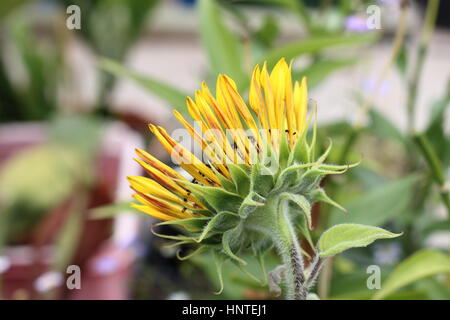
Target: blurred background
81, 79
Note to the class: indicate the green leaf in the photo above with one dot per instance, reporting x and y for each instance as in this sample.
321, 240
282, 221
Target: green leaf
314, 45
402, 60
223, 48
379, 205
435, 131
345, 236
173, 96
268, 32
320, 70
295, 6
111, 210
384, 128
421, 264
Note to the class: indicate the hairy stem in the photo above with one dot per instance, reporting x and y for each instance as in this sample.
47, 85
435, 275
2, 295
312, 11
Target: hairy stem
288, 247
316, 266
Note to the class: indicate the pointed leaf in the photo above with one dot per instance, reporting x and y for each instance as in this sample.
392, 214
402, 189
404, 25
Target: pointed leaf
171, 95
421, 264
379, 205
313, 45
223, 48
345, 236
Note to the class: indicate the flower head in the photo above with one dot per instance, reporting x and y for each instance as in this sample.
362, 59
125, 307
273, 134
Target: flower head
254, 160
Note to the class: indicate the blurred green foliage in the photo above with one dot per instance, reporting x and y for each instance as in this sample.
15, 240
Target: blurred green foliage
39, 179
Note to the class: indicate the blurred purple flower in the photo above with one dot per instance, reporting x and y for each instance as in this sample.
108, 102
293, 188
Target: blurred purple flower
356, 23
389, 2
48, 281
106, 265
370, 84
386, 254
4, 264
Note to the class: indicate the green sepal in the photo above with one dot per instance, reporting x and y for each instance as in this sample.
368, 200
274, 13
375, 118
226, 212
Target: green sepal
176, 244
231, 241
192, 254
217, 198
339, 168
241, 179
302, 203
194, 223
312, 145
170, 237
248, 273
290, 176
320, 195
302, 225
261, 180
299, 153
219, 260
284, 151
218, 223
250, 204
325, 155
226, 183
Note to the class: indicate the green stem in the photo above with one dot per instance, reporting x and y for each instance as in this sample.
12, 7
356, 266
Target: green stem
325, 279
288, 246
435, 166
427, 31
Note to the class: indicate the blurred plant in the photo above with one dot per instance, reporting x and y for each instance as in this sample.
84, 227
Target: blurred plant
33, 59
234, 53
124, 20
29, 71
38, 184
408, 204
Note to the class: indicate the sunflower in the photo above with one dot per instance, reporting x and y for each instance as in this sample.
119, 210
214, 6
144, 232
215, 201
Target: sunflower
253, 183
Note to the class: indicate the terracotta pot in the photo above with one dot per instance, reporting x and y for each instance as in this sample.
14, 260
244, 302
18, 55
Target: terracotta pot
104, 276
32, 259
